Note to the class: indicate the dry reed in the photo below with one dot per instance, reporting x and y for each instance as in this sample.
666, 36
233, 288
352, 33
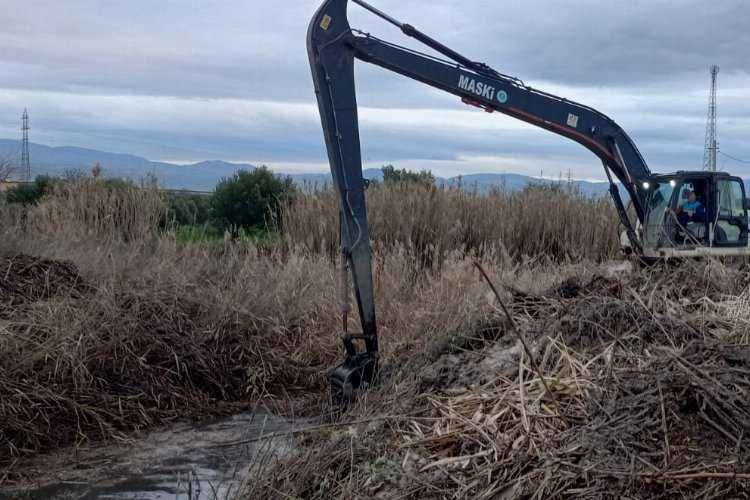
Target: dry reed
544, 221
93, 208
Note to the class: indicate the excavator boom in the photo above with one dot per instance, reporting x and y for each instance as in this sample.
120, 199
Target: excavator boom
332, 48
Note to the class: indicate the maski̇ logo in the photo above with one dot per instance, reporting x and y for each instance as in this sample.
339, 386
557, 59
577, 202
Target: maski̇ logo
481, 89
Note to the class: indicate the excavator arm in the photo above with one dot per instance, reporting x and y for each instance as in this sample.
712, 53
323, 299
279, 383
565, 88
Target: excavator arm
332, 48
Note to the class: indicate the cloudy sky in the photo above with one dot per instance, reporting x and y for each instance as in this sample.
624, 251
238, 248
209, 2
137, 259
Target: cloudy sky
188, 80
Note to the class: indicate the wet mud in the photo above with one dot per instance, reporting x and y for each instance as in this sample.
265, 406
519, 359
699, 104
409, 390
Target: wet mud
186, 461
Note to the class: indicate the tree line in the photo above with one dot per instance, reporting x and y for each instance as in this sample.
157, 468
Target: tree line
246, 201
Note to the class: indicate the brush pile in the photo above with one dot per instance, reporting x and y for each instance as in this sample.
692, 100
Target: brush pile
27, 279
636, 387
647, 390
81, 361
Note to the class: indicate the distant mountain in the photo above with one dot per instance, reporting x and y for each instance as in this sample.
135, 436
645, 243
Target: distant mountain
513, 182
482, 183
203, 176
317, 181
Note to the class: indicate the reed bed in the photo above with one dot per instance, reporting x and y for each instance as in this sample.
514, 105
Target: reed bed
93, 208
541, 221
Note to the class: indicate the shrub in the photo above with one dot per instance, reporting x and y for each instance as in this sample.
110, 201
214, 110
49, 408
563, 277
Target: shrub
186, 209
250, 199
31, 193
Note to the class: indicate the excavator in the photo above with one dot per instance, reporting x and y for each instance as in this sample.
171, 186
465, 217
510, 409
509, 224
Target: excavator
661, 229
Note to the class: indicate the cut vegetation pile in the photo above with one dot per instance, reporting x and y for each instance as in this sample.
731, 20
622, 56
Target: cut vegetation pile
26, 279
643, 394
81, 361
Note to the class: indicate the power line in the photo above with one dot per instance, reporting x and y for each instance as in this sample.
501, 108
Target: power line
734, 157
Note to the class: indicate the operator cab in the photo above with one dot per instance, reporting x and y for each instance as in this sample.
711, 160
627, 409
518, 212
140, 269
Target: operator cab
695, 213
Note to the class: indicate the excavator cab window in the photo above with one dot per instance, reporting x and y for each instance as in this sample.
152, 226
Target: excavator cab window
657, 223
690, 213
730, 221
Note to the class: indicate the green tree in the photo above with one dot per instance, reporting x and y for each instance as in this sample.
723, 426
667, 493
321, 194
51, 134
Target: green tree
394, 175
188, 209
250, 200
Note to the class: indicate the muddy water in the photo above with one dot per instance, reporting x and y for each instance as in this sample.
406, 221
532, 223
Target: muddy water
182, 462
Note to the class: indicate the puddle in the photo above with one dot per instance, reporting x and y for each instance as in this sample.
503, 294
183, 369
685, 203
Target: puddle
183, 462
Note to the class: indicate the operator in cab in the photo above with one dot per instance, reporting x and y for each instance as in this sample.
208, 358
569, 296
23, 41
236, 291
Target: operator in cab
691, 210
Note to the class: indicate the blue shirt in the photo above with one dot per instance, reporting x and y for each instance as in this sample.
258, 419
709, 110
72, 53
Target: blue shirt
692, 206
694, 210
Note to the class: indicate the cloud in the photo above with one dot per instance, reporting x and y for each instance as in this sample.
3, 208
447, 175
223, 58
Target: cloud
188, 80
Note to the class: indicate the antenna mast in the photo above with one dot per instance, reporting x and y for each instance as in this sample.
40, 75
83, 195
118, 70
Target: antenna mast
25, 163
711, 147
